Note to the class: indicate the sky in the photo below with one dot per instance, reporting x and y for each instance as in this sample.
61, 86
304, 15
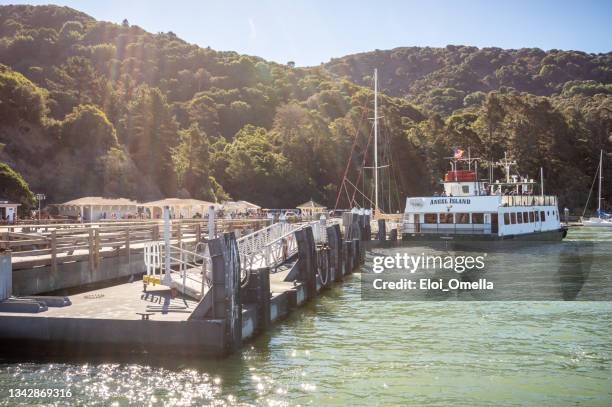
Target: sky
314, 31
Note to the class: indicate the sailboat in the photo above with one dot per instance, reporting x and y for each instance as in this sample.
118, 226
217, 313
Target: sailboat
602, 219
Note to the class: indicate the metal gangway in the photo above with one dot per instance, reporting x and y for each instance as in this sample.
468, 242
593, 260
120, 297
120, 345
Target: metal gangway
273, 245
188, 270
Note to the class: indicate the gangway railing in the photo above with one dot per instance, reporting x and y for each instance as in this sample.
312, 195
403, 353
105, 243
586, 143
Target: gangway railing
267, 247
273, 245
189, 268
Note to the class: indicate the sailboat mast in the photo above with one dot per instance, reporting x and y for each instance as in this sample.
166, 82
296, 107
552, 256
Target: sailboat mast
599, 192
375, 141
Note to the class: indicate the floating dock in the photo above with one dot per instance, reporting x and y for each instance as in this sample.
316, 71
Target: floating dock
236, 305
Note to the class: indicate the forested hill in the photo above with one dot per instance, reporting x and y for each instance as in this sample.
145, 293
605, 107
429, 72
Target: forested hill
447, 79
93, 108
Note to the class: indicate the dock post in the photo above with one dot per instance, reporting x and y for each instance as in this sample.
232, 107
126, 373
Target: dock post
366, 233
91, 246
97, 248
348, 257
226, 288
347, 222
53, 251
334, 242
382, 231
234, 309
306, 269
356, 251
257, 291
324, 267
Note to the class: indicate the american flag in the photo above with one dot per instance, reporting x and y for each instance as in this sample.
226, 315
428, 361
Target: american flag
458, 153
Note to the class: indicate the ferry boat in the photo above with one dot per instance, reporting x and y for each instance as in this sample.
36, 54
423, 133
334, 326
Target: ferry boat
473, 209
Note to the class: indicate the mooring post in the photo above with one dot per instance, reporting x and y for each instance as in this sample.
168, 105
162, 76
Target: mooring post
323, 267
91, 246
348, 256
347, 222
226, 288
312, 246
53, 251
393, 235
257, 291
355, 249
367, 229
306, 269
234, 309
334, 242
381, 236
98, 247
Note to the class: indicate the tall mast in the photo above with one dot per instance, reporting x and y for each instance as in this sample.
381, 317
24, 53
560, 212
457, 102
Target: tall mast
375, 140
599, 192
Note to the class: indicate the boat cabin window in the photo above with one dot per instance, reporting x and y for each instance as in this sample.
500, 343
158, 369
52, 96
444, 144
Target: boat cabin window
431, 218
478, 218
543, 216
446, 218
513, 218
462, 218
506, 218
465, 189
537, 216
531, 217
519, 217
526, 217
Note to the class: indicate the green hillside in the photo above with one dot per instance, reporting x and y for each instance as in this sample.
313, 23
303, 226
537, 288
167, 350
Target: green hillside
94, 108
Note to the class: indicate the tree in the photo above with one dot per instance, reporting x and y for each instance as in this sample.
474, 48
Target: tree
191, 161
88, 130
20, 99
14, 188
152, 132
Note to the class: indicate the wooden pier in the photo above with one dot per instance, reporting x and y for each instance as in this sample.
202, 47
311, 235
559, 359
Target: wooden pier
45, 255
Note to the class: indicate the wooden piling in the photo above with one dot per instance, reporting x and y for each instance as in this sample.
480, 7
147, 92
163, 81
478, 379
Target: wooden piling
348, 257
381, 236
97, 248
306, 260
257, 291
334, 241
91, 248
226, 288
53, 251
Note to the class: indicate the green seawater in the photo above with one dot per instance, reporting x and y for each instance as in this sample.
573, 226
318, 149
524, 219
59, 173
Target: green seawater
342, 351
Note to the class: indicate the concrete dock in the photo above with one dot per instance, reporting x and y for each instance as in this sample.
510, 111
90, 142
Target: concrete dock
124, 319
